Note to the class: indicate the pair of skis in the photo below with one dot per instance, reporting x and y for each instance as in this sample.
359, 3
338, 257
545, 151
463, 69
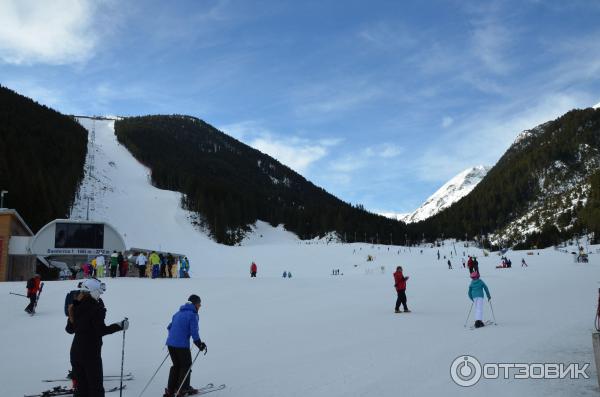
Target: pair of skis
66, 391
128, 376
485, 323
209, 388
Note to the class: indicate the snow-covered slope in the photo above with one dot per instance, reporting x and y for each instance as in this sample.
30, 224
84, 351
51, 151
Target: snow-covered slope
452, 191
317, 335
597, 106
120, 193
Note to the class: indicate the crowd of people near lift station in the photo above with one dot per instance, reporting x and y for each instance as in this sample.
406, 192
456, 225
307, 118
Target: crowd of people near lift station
157, 265
151, 265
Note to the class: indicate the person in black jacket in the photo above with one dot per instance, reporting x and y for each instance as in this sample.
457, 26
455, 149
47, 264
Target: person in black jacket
86, 321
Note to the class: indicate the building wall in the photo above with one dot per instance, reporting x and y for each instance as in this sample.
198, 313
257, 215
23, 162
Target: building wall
5, 221
20, 268
10, 225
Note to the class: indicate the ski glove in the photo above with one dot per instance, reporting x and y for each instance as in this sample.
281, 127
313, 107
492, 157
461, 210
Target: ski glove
201, 345
125, 324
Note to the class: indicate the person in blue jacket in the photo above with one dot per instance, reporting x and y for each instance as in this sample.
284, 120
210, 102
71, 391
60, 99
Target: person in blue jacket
476, 289
184, 326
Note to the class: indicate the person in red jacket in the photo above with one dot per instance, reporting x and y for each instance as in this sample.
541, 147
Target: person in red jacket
33, 286
253, 269
400, 284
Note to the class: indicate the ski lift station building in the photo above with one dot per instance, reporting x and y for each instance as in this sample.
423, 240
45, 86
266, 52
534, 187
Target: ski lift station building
65, 240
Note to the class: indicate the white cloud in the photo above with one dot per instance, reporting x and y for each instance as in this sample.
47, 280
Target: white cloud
54, 32
295, 152
484, 137
597, 106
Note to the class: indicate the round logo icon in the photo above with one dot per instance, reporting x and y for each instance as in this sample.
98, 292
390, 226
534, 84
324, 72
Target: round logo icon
465, 371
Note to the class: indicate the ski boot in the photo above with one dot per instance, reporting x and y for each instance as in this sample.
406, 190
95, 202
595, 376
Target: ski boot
190, 391
406, 311
169, 393
479, 324
397, 311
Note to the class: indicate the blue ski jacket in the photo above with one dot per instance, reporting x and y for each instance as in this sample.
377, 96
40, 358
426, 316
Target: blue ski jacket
476, 289
183, 326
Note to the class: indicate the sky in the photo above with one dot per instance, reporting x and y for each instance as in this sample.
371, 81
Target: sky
378, 102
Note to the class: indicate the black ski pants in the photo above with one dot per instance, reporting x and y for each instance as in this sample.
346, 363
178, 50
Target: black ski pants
32, 298
88, 374
401, 300
182, 361
142, 270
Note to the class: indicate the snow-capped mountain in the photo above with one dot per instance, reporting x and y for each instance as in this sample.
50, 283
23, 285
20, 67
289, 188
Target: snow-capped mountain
452, 191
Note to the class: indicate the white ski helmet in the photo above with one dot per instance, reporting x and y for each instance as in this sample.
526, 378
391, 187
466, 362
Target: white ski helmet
94, 287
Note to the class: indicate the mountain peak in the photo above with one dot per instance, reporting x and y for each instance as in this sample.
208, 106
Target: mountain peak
452, 191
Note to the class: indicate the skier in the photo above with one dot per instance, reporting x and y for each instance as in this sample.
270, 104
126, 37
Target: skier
400, 284
184, 267
100, 266
33, 287
163, 265
289, 274
470, 264
121, 265
114, 262
93, 263
449, 264
523, 263
184, 325
155, 262
141, 264
170, 263
253, 269
475, 265
87, 323
463, 262
476, 289
284, 274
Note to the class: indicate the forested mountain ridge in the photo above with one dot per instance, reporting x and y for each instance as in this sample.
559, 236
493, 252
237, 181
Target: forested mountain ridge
540, 189
42, 153
231, 185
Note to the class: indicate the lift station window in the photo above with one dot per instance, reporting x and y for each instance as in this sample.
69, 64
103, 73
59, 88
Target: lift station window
79, 235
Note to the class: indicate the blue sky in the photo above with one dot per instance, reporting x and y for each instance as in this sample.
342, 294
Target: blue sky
379, 102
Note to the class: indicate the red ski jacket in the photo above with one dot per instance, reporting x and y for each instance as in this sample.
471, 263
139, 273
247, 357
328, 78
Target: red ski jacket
400, 281
33, 286
253, 268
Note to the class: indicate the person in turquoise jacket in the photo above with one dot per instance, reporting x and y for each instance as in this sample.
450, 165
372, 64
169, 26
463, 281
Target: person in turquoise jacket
476, 289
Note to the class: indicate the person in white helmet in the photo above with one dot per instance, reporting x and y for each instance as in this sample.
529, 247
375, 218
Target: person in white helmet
87, 323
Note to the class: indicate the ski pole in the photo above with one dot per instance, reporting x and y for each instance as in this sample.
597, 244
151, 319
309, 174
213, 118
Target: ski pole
468, 315
155, 372
122, 362
187, 373
492, 307
14, 293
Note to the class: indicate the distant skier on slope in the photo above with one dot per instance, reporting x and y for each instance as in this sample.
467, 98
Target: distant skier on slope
184, 267
100, 266
154, 264
33, 287
400, 284
114, 262
183, 326
141, 264
475, 293
86, 321
449, 264
253, 269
